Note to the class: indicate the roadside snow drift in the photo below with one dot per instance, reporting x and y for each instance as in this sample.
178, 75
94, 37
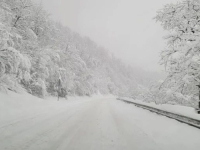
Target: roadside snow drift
177, 109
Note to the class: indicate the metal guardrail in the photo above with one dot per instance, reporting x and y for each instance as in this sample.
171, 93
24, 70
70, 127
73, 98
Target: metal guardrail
184, 119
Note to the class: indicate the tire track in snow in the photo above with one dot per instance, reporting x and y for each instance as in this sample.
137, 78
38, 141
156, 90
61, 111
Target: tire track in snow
133, 134
26, 140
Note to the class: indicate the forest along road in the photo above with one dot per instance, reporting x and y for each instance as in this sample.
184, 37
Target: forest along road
99, 124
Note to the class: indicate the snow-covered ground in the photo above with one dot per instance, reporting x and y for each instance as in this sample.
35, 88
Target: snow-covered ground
15, 106
97, 123
177, 109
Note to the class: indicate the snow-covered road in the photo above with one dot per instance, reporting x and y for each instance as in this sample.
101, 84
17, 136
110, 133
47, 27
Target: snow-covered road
98, 124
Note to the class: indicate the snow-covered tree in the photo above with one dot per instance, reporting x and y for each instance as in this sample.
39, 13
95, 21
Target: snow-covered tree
13, 65
181, 57
35, 52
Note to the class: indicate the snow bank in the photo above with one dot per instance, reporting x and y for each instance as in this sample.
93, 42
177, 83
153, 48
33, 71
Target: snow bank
177, 109
14, 106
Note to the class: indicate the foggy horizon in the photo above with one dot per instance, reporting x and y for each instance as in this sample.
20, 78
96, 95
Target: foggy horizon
125, 28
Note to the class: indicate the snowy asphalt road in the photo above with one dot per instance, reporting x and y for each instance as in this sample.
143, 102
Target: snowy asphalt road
100, 124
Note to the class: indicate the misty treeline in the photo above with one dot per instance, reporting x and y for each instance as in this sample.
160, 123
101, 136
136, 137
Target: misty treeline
36, 51
181, 57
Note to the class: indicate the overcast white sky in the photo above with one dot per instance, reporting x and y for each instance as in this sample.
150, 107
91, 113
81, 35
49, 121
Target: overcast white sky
124, 27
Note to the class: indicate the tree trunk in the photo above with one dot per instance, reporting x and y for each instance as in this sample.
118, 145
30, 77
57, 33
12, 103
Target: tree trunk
199, 97
198, 109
